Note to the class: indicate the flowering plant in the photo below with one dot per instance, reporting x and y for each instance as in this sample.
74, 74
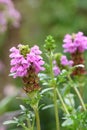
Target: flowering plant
28, 64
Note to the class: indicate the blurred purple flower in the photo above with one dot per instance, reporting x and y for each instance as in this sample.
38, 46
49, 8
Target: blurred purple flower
56, 70
8, 15
3, 23
65, 61
20, 64
75, 42
5, 1
14, 17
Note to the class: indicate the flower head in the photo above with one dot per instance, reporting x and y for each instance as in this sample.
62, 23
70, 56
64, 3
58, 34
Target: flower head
22, 58
75, 42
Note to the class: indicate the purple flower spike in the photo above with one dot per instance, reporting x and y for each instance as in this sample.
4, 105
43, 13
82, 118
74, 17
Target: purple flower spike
75, 42
21, 64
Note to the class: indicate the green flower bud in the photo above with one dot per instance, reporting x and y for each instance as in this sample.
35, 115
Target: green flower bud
24, 50
49, 43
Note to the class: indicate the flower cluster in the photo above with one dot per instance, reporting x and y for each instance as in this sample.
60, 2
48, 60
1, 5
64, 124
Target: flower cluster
75, 42
8, 15
22, 58
60, 64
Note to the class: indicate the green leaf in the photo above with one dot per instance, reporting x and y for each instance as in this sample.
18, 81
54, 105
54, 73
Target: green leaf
46, 90
48, 106
67, 122
69, 100
42, 76
22, 107
10, 122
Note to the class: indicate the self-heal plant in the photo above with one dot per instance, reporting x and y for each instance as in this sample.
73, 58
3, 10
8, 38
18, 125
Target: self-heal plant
60, 78
26, 63
76, 44
57, 62
49, 47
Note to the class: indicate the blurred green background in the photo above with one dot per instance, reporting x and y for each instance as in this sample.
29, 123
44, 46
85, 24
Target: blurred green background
39, 19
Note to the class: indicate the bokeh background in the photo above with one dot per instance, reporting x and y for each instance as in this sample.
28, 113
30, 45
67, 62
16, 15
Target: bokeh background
39, 18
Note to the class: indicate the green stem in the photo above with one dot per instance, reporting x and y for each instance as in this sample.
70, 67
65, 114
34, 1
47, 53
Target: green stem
28, 123
80, 98
37, 119
55, 94
81, 84
62, 102
24, 127
56, 110
78, 93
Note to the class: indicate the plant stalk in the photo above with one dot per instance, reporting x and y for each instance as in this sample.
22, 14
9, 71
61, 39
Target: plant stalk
37, 119
28, 123
25, 128
62, 102
78, 93
56, 110
55, 94
80, 98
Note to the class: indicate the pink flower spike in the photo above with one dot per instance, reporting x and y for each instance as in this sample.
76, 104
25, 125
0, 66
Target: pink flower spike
75, 42
21, 63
